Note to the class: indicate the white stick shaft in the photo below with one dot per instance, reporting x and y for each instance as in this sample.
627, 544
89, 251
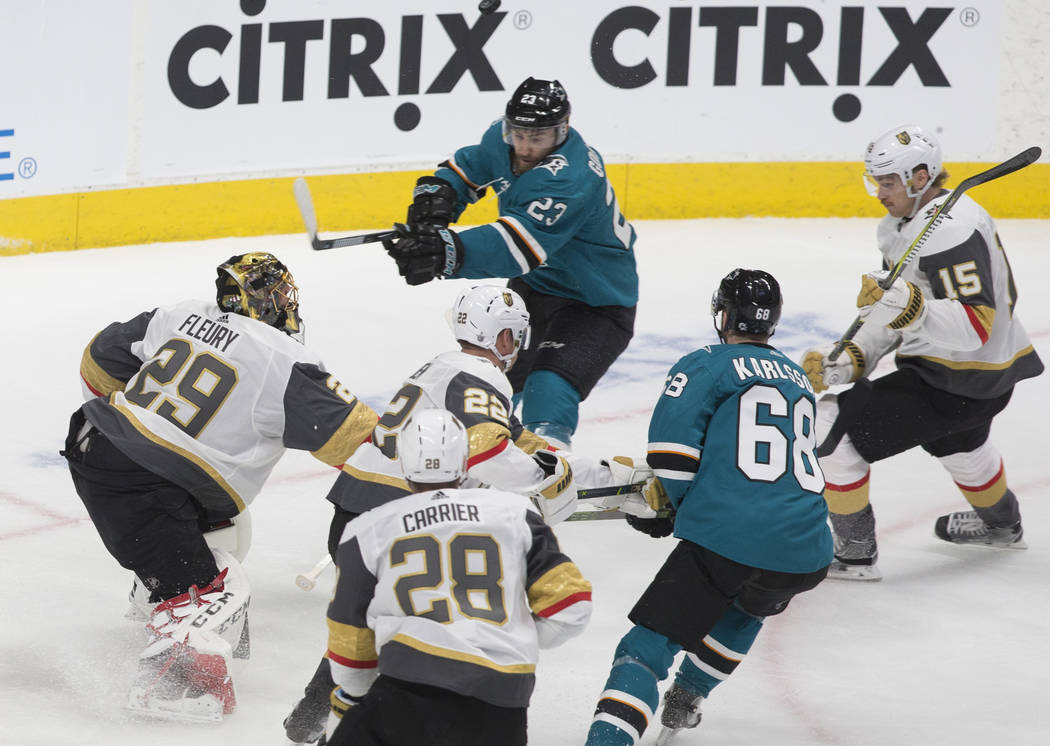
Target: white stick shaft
308, 580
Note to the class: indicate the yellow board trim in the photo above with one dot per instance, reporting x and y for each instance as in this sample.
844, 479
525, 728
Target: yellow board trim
456, 655
374, 201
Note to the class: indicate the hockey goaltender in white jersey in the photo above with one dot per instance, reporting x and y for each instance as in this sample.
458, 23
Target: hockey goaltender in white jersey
189, 408
447, 595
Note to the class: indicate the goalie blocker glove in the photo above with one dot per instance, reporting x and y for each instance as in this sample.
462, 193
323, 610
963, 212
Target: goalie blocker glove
424, 252
433, 203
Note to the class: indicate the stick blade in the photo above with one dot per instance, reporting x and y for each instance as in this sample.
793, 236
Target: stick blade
1032, 154
306, 210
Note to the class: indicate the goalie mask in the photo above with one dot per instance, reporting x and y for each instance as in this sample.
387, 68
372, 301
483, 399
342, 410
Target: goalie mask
433, 448
536, 105
480, 314
749, 301
902, 151
259, 286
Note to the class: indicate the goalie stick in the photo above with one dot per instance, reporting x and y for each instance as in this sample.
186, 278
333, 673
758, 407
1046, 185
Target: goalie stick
306, 210
308, 579
1019, 161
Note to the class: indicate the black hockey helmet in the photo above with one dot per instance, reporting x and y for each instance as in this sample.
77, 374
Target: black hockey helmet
537, 104
751, 301
259, 286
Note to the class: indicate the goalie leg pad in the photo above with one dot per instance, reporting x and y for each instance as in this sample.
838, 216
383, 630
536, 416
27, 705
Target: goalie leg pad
185, 668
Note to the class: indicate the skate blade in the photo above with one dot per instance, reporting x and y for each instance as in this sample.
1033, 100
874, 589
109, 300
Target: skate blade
841, 571
983, 545
206, 708
666, 734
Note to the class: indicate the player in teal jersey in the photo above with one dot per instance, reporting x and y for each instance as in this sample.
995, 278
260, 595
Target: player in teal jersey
732, 445
560, 236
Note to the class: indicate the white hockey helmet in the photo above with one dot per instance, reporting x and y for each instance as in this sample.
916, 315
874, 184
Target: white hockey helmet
481, 313
901, 151
433, 448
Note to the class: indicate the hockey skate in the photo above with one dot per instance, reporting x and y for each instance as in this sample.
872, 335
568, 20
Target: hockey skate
307, 720
855, 560
681, 711
966, 527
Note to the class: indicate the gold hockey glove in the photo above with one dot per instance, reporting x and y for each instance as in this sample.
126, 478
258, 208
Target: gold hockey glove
897, 307
822, 373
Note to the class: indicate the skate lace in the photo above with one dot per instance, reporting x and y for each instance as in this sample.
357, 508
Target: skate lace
967, 524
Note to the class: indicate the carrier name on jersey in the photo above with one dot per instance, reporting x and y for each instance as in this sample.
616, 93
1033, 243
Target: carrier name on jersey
442, 513
210, 332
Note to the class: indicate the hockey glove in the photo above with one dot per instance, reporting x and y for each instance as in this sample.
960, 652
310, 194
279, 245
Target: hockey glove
898, 306
555, 496
822, 373
425, 252
433, 203
660, 526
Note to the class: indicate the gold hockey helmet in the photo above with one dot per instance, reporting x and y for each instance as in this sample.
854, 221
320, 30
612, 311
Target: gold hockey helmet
259, 286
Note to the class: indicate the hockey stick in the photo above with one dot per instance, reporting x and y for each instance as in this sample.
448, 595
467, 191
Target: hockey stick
620, 489
605, 515
1019, 161
308, 579
306, 209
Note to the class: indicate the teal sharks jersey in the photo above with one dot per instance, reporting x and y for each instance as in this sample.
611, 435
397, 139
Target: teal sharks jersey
559, 222
732, 440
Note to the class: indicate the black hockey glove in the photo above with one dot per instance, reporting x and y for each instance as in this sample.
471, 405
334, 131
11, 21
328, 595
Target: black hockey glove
660, 526
433, 203
425, 252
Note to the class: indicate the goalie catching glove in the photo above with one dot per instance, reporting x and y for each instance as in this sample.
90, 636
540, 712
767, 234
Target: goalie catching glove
823, 373
555, 496
423, 252
899, 306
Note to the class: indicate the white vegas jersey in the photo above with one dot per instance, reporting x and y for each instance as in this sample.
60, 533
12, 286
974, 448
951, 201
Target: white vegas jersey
971, 342
455, 588
211, 400
479, 395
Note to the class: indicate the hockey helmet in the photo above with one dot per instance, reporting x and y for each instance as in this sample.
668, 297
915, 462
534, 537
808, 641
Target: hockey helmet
481, 313
259, 286
902, 151
538, 104
750, 301
433, 448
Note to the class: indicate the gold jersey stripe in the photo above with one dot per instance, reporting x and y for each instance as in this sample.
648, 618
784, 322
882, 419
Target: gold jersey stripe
348, 641
376, 478
530, 442
556, 585
354, 431
973, 364
95, 376
199, 462
457, 655
485, 436
985, 316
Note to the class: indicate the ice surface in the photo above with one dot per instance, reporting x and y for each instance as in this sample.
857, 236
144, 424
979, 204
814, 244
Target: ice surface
953, 647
